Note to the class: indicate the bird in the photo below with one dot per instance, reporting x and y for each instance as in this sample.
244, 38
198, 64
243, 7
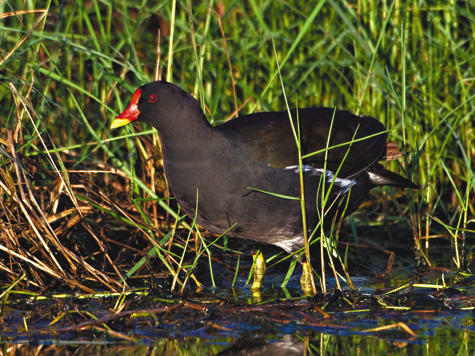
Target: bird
246, 177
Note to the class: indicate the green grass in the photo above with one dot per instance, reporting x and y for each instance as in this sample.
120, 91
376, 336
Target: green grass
64, 77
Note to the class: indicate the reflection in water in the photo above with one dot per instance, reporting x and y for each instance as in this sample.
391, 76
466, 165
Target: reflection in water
288, 345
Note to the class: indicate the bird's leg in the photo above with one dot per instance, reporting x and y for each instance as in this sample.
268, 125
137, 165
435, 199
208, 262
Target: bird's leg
259, 270
306, 279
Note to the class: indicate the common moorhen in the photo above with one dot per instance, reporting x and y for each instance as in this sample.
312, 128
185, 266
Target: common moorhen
237, 169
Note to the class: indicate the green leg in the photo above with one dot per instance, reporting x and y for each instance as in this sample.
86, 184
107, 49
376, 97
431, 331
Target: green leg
259, 270
306, 279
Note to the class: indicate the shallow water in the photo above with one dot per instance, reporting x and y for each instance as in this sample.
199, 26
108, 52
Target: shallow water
234, 321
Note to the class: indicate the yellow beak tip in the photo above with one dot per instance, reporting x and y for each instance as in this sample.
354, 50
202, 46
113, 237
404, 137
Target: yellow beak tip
119, 122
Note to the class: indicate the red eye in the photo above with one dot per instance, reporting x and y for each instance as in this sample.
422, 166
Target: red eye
152, 98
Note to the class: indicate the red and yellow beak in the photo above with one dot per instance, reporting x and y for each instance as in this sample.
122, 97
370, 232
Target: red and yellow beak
130, 114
